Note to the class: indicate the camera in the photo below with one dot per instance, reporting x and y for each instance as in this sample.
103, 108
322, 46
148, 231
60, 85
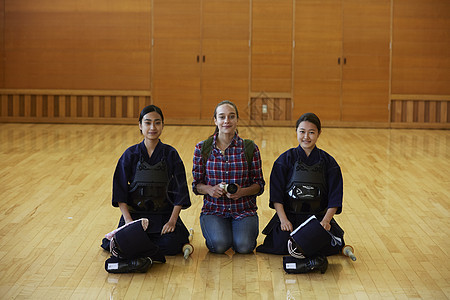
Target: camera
229, 188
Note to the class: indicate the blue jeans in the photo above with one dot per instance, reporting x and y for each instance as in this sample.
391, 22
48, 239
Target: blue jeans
222, 233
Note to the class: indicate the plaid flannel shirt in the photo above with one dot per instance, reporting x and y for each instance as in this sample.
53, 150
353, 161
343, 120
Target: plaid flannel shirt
231, 167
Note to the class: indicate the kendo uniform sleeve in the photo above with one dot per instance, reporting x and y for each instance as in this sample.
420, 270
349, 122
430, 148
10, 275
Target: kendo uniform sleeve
335, 183
178, 190
123, 174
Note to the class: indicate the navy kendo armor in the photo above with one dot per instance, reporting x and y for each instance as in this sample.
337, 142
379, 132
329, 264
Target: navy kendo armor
148, 191
307, 189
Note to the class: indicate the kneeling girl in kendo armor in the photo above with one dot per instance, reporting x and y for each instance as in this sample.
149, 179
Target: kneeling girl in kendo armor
150, 188
306, 190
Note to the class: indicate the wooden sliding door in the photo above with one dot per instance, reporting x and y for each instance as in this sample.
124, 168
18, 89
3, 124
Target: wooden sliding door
225, 54
421, 43
177, 57
366, 54
201, 55
318, 58
341, 68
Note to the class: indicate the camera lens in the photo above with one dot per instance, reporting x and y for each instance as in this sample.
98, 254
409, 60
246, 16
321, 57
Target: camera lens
231, 188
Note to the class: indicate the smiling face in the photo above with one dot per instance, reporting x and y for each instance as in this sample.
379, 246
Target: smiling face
151, 125
307, 135
226, 119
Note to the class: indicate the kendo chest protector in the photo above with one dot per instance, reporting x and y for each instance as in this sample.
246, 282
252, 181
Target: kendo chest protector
148, 191
307, 189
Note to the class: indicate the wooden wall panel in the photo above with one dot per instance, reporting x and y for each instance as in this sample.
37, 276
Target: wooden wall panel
63, 107
421, 43
177, 57
413, 112
271, 57
2, 43
77, 44
226, 53
269, 111
101, 61
271, 108
318, 46
366, 54
225, 75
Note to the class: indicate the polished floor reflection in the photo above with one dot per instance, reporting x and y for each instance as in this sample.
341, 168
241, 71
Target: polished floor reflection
56, 191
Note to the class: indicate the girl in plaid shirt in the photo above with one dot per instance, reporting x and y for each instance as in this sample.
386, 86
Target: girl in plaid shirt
228, 220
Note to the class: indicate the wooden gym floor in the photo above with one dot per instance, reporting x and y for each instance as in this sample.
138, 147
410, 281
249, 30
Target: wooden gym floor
55, 208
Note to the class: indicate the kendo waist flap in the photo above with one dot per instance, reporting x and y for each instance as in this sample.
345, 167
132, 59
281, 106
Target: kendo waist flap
310, 239
132, 241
